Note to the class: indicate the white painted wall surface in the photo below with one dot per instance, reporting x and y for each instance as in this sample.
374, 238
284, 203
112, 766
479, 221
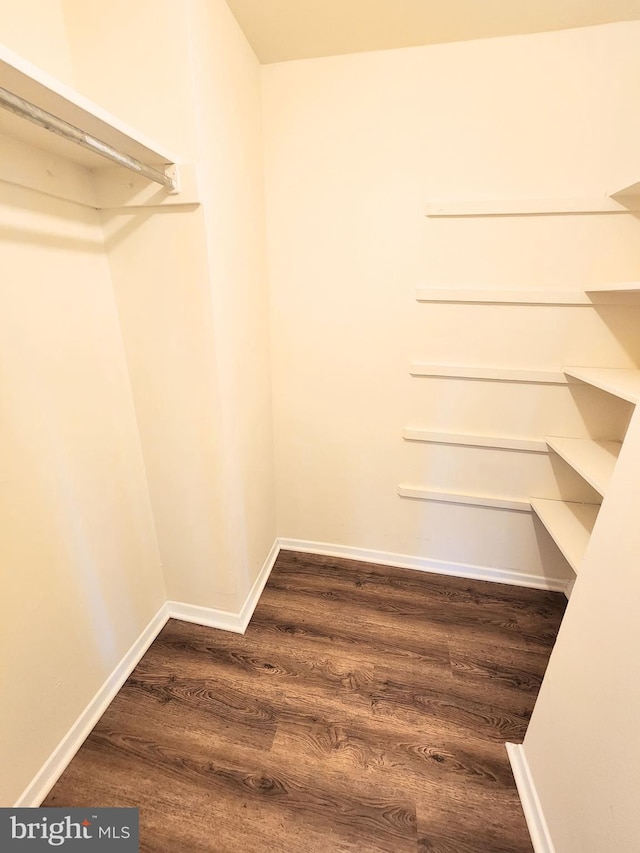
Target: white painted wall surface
355, 146
80, 570
36, 30
191, 286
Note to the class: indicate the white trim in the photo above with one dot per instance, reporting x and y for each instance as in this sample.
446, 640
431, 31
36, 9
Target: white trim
227, 620
211, 617
424, 564
252, 599
418, 493
502, 297
538, 829
60, 758
499, 442
499, 374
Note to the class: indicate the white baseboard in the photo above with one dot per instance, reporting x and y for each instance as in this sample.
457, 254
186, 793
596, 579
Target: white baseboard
538, 829
423, 564
228, 620
252, 599
225, 620
60, 758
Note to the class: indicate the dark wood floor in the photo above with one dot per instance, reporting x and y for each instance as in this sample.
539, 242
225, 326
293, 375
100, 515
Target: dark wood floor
365, 709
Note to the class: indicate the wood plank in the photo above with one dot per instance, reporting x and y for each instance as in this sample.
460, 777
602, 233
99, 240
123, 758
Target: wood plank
499, 442
624, 202
593, 460
491, 374
502, 297
615, 287
569, 524
621, 382
366, 708
489, 501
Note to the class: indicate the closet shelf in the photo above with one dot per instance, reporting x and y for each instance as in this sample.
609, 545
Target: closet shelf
496, 374
593, 460
499, 442
621, 382
52, 155
569, 525
615, 293
501, 297
616, 287
631, 190
625, 200
622, 202
490, 501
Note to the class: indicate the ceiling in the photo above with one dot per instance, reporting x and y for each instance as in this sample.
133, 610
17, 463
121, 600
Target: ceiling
280, 30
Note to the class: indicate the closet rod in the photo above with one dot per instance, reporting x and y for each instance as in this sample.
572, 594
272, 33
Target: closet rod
25, 109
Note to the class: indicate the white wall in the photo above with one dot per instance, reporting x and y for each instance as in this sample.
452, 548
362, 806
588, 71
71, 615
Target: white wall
148, 412
36, 30
191, 286
228, 97
355, 146
80, 565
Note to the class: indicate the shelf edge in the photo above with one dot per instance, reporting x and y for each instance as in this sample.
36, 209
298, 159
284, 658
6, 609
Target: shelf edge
495, 374
416, 492
530, 445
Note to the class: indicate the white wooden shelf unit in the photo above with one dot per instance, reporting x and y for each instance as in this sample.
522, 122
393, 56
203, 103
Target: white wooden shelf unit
570, 524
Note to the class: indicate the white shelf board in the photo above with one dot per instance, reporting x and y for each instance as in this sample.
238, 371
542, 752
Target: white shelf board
621, 382
616, 287
502, 297
22, 78
593, 460
631, 190
490, 501
531, 445
569, 525
500, 374
535, 206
